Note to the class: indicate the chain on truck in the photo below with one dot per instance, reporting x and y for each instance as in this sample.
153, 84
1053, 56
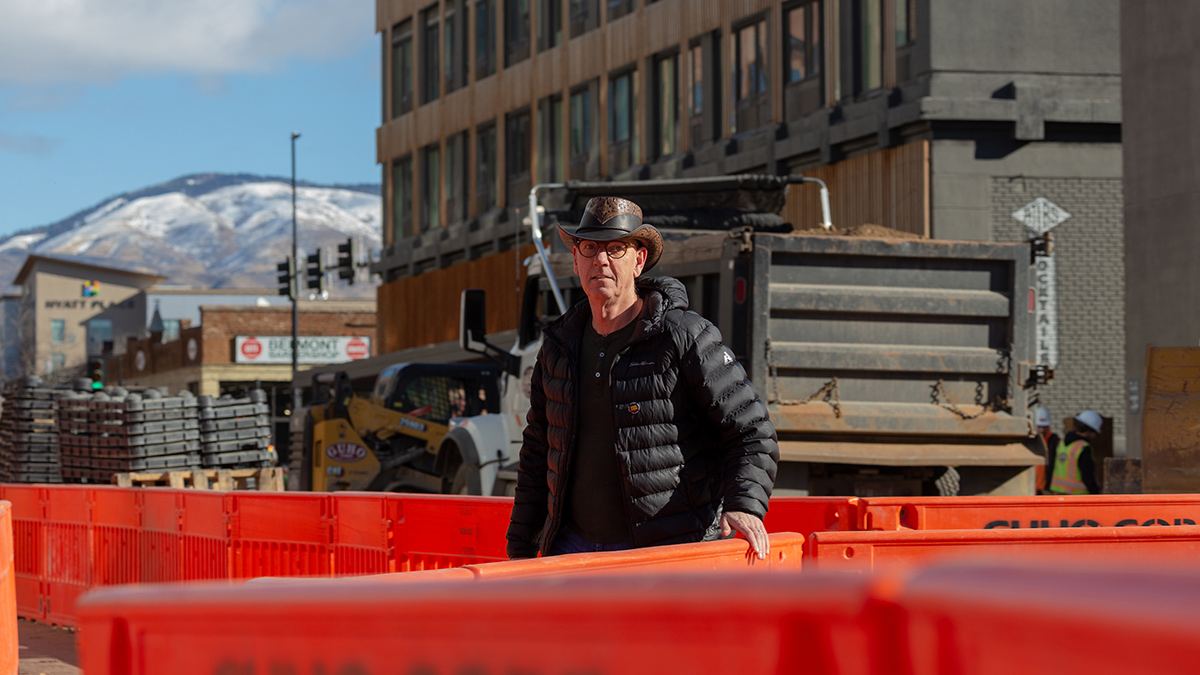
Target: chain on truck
890, 366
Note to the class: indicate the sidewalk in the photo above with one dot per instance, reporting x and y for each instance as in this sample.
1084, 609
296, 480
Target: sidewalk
46, 650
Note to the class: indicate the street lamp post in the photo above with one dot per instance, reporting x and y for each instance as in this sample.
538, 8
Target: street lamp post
295, 292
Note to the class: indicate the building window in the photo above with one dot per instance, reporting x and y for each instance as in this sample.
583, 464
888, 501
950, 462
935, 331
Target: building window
431, 193
518, 143
429, 55
550, 145
516, 31
704, 101
666, 105
170, 330
549, 24
619, 8
402, 196
486, 177
402, 68
584, 158
485, 38
584, 16
99, 331
803, 42
750, 76
58, 360
622, 131
867, 35
456, 178
456, 45
803, 89
58, 331
905, 22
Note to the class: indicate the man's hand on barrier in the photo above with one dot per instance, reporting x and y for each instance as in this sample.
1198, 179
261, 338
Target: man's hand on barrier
750, 527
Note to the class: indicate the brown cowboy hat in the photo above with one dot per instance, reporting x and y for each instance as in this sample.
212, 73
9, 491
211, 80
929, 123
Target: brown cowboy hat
612, 218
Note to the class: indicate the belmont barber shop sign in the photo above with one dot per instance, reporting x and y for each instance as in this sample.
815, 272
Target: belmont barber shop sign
277, 349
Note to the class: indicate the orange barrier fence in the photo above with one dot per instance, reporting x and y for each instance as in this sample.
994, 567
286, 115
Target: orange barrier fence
812, 514
971, 513
69, 539
968, 619
787, 553
9, 644
645, 624
861, 551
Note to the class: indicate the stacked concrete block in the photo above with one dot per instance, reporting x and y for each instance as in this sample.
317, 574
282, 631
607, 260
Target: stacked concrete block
116, 431
29, 449
236, 432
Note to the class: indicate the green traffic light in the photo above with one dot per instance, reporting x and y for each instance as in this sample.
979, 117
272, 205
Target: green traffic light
97, 385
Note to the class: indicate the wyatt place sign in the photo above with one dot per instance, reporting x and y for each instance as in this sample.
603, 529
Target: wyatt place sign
277, 349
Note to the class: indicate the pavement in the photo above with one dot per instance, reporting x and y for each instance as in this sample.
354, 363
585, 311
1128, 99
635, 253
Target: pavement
46, 650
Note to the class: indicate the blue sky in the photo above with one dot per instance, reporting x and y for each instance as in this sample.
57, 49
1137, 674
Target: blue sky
98, 97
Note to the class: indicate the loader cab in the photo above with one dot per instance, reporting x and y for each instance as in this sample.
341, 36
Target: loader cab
439, 391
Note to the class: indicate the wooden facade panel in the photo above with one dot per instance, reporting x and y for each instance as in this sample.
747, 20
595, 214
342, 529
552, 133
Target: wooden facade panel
423, 309
889, 187
1171, 421
582, 64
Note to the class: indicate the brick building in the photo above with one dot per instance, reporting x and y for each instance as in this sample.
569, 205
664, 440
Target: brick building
936, 117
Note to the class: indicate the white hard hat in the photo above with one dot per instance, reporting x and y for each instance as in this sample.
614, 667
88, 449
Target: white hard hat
1041, 417
1090, 419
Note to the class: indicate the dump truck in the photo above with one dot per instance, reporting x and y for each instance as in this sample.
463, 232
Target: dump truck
890, 366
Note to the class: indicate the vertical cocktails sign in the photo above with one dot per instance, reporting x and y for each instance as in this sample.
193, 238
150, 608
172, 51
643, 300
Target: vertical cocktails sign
1039, 217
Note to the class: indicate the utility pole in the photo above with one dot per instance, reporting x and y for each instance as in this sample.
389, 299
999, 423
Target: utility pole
295, 292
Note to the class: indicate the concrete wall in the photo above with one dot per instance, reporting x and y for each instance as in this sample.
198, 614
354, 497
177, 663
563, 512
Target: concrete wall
1160, 57
1025, 36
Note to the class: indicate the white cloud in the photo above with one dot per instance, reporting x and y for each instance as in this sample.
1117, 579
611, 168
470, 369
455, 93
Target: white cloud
96, 41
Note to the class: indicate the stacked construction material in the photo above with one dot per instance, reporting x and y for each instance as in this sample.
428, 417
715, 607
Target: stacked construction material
236, 432
29, 450
118, 431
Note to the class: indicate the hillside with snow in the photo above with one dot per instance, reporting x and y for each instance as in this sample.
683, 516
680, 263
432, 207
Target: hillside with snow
211, 230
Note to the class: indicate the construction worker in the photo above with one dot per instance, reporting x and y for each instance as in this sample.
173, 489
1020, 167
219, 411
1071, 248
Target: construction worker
1041, 420
1074, 463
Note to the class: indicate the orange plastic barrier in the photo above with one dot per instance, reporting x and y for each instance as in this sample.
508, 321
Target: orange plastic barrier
861, 551
363, 533
728, 623
159, 535
68, 563
29, 547
787, 552
980, 620
204, 534
971, 513
437, 531
812, 514
279, 534
9, 644
116, 518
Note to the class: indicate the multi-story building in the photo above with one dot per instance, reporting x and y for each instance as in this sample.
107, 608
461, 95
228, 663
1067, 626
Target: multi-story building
943, 118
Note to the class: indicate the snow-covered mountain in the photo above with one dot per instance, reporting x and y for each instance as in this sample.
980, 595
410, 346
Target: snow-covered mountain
211, 230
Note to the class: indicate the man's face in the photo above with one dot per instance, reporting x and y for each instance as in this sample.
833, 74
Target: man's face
604, 277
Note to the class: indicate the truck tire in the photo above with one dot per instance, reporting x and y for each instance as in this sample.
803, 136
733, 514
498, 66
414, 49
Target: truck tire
459, 486
949, 483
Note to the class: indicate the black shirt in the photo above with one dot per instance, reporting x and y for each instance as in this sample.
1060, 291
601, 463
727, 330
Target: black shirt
595, 503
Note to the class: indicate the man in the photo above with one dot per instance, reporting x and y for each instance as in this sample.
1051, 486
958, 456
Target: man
1074, 465
1041, 420
642, 429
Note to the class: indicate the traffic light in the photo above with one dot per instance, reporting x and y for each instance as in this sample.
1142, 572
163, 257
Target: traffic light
96, 372
314, 271
287, 272
347, 260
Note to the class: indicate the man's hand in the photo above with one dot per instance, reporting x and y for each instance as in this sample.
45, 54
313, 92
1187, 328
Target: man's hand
750, 527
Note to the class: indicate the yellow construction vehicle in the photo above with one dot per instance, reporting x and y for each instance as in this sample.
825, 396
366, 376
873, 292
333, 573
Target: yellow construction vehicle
389, 441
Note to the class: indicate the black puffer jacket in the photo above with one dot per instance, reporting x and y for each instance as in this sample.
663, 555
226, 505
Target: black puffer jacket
692, 436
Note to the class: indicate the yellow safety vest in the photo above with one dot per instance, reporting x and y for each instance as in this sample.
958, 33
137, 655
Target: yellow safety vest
1066, 479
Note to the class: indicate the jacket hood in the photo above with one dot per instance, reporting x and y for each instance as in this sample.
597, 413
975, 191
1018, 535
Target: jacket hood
671, 289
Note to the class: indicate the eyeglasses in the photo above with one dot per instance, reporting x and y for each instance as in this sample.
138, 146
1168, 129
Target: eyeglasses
614, 249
